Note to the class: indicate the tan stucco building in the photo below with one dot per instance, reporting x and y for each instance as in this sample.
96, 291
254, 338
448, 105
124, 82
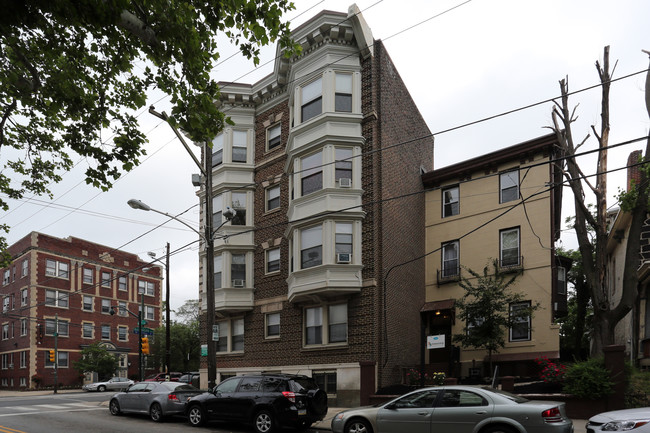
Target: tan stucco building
502, 206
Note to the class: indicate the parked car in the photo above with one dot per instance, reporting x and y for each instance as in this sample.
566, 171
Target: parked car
457, 409
267, 401
112, 384
636, 420
161, 377
192, 378
157, 399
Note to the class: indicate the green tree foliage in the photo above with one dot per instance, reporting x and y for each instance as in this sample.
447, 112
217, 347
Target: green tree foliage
73, 73
485, 308
576, 326
98, 359
588, 379
184, 335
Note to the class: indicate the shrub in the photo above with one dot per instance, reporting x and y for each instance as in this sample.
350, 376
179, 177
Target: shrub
588, 379
550, 372
638, 389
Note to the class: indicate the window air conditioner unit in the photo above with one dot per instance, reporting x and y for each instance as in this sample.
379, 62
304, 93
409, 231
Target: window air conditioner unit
345, 182
343, 258
238, 283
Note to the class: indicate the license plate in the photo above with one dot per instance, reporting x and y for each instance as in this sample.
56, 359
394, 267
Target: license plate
302, 411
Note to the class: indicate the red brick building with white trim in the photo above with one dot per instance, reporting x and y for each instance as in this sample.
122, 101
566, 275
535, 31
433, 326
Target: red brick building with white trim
73, 283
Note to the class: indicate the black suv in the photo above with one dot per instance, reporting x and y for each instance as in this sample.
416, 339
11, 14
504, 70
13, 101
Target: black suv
268, 401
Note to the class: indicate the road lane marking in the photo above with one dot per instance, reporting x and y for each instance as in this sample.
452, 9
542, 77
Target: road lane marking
10, 430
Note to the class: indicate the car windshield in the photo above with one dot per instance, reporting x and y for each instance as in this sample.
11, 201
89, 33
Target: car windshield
507, 395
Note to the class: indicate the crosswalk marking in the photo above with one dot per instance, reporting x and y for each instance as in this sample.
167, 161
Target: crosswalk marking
47, 408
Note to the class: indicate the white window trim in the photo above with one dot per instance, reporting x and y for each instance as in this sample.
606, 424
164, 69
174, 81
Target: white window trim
514, 178
92, 330
267, 256
266, 325
267, 199
230, 322
268, 136
57, 298
325, 326
527, 320
57, 269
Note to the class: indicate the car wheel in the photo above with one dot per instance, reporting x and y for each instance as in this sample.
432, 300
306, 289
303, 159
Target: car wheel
195, 416
114, 407
263, 422
101, 388
499, 429
358, 426
156, 413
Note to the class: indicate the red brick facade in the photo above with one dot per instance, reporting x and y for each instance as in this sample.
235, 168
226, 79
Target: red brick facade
38, 295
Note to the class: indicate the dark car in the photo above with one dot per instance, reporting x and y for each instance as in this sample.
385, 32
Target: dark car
161, 377
267, 401
192, 378
157, 399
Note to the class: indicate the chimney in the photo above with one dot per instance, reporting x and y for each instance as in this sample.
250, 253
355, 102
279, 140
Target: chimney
633, 170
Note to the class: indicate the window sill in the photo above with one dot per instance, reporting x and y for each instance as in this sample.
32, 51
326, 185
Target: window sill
317, 347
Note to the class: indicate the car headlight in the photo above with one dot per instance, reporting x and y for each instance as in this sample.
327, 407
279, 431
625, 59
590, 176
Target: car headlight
624, 425
339, 416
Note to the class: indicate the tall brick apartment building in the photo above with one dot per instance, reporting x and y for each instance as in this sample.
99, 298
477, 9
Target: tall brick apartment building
74, 282
323, 166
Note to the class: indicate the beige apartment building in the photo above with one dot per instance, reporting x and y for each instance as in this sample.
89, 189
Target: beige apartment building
503, 206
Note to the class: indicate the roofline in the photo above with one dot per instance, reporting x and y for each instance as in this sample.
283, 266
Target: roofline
461, 169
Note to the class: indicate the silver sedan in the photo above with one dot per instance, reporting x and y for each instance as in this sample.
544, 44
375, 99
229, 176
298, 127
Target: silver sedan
112, 384
156, 399
457, 409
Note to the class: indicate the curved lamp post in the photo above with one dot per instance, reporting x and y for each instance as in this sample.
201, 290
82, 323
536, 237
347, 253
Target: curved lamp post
208, 238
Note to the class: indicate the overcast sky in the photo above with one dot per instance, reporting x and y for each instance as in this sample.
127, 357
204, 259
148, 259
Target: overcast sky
479, 59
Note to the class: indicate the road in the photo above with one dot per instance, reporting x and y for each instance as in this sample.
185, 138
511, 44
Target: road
87, 413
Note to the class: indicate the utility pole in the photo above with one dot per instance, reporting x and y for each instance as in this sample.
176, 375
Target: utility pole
140, 325
167, 324
56, 352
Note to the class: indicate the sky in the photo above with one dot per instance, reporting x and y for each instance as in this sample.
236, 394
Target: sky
462, 61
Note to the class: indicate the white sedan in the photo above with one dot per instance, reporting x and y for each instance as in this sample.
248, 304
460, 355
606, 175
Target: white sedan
112, 384
636, 420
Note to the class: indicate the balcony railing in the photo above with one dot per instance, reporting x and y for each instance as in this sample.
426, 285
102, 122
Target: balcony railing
511, 264
448, 275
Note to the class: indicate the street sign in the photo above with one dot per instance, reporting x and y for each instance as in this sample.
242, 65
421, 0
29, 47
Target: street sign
204, 350
143, 322
145, 331
215, 332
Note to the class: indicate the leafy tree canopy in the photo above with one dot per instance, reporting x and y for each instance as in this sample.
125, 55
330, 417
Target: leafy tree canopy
485, 308
74, 72
98, 359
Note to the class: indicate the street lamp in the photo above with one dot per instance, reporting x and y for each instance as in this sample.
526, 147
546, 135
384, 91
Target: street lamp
208, 238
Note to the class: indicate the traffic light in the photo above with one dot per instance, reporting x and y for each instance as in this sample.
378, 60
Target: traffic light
145, 345
52, 356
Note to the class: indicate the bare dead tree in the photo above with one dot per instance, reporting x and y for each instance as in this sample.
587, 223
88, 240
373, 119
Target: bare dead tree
591, 229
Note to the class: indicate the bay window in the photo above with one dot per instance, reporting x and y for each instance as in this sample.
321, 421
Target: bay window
311, 247
218, 268
238, 270
217, 150
343, 94
239, 205
311, 104
311, 173
343, 166
239, 139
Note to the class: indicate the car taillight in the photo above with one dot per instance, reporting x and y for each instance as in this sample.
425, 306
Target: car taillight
291, 396
173, 397
552, 415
